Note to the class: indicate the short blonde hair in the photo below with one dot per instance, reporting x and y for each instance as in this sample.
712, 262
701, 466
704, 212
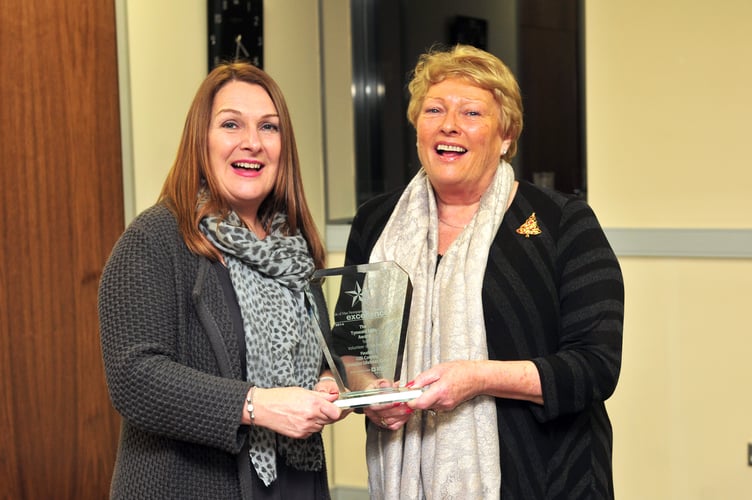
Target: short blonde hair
478, 67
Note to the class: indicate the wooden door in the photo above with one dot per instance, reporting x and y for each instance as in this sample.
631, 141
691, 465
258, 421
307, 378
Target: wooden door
61, 212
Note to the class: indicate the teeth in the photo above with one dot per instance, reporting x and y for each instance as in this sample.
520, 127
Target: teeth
446, 147
250, 166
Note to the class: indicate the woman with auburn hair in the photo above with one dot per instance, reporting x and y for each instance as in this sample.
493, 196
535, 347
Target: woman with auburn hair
190, 172
209, 352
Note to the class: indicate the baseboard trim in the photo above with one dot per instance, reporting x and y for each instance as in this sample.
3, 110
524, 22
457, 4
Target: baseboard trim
349, 493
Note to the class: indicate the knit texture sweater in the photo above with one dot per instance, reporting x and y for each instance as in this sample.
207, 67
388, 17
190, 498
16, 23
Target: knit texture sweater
173, 361
556, 298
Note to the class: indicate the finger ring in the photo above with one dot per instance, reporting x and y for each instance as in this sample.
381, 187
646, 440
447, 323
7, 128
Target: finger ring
383, 422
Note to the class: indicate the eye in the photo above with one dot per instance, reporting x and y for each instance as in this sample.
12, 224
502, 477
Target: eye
269, 127
231, 124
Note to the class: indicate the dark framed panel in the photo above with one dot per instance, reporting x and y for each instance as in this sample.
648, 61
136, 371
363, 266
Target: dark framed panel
469, 31
551, 77
388, 36
236, 31
379, 99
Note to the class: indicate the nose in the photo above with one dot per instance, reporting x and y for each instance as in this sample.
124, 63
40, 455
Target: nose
448, 124
251, 140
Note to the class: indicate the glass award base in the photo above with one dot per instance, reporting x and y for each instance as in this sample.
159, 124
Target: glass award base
360, 399
360, 315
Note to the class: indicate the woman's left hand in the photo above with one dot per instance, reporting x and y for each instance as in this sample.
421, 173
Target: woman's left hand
451, 384
327, 384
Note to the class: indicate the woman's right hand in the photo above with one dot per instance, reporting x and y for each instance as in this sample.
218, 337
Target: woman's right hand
293, 411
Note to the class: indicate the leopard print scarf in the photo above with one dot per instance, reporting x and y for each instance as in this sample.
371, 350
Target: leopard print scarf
281, 349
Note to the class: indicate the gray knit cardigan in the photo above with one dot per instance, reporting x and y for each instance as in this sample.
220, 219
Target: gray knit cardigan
173, 367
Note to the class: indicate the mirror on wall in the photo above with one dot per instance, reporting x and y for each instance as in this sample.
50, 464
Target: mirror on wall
540, 40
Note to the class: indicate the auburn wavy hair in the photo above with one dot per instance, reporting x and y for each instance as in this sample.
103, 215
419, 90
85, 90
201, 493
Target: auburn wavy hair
191, 175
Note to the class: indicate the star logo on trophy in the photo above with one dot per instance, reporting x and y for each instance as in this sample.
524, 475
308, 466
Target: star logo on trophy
367, 339
357, 294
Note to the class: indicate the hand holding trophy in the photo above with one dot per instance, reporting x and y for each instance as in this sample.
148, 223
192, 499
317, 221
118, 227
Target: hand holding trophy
362, 330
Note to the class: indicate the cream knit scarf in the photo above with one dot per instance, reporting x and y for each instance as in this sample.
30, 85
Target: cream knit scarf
452, 454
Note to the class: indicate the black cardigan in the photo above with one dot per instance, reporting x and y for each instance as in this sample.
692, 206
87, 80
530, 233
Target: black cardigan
557, 299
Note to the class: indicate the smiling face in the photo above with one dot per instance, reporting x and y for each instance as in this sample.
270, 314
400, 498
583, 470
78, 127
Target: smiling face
244, 146
459, 139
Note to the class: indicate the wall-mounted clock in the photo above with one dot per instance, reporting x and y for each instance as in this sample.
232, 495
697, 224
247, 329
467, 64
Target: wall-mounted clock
236, 31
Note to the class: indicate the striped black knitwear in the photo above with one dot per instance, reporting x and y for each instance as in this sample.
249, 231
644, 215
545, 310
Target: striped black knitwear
557, 299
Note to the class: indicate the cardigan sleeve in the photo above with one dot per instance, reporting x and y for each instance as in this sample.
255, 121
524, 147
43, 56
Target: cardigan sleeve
162, 374
585, 366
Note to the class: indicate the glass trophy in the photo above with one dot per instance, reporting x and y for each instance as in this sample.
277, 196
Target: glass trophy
361, 325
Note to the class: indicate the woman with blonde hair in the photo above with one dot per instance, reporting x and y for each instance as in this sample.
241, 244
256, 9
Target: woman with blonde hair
516, 316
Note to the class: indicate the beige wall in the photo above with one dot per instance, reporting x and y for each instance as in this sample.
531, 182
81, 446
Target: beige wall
339, 146
667, 108
165, 46
166, 55
667, 102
